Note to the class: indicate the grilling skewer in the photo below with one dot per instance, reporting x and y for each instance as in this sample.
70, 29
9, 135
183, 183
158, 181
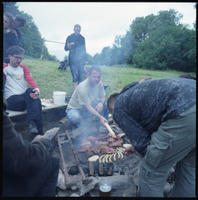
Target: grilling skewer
110, 130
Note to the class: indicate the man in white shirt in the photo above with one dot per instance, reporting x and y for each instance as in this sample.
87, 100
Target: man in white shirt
88, 100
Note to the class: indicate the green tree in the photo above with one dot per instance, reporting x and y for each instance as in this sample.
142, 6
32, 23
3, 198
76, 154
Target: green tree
167, 44
97, 59
89, 59
154, 42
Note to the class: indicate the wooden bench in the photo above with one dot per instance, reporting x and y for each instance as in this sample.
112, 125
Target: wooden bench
46, 105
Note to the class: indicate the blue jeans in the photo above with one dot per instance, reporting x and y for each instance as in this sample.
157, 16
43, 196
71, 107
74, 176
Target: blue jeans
25, 102
77, 71
76, 115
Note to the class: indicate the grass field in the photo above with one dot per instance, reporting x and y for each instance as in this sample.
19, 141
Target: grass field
50, 79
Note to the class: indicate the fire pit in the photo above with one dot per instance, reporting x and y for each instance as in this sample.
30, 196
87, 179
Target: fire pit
89, 155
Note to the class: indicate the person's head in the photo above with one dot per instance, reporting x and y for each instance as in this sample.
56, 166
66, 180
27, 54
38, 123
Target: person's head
187, 76
8, 21
15, 55
111, 101
19, 22
94, 75
77, 29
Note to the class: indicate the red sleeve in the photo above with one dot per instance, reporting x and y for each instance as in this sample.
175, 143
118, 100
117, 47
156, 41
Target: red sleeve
28, 77
4, 65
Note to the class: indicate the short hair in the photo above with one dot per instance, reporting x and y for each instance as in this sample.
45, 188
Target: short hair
111, 100
21, 20
77, 25
15, 50
187, 76
96, 68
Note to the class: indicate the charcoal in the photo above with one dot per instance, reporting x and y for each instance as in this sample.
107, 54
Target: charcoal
73, 170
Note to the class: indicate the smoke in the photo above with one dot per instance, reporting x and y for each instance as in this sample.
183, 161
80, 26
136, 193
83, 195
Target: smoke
87, 127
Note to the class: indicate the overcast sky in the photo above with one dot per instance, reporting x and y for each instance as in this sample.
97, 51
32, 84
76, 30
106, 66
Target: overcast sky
100, 21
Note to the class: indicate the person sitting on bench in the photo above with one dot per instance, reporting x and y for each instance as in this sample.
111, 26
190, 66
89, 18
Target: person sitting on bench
18, 95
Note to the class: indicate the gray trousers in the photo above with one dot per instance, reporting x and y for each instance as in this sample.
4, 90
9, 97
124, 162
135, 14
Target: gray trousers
173, 143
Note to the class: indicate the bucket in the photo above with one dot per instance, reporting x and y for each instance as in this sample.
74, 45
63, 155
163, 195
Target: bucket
59, 97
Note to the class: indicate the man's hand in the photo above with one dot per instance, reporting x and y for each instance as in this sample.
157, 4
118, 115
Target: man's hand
99, 107
35, 93
69, 45
50, 134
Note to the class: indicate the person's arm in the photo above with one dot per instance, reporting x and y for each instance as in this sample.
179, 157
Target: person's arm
31, 82
68, 43
138, 136
28, 77
102, 94
100, 104
94, 112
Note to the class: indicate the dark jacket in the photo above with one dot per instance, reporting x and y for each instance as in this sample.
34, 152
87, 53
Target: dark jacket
9, 39
78, 52
18, 34
140, 109
26, 165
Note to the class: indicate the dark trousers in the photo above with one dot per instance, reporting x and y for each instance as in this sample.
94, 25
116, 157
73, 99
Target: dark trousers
25, 102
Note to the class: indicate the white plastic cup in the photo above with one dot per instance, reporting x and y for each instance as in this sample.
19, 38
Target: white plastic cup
105, 188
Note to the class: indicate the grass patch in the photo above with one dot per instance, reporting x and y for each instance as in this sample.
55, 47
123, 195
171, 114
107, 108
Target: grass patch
50, 79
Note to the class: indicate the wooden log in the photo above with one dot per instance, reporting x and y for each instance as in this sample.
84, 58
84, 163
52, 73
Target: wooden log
92, 163
110, 130
100, 168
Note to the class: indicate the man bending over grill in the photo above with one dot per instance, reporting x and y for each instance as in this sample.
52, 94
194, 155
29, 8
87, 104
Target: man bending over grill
18, 95
158, 116
88, 100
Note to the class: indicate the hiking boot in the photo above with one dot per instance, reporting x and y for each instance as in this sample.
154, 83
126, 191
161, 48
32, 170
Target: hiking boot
32, 128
